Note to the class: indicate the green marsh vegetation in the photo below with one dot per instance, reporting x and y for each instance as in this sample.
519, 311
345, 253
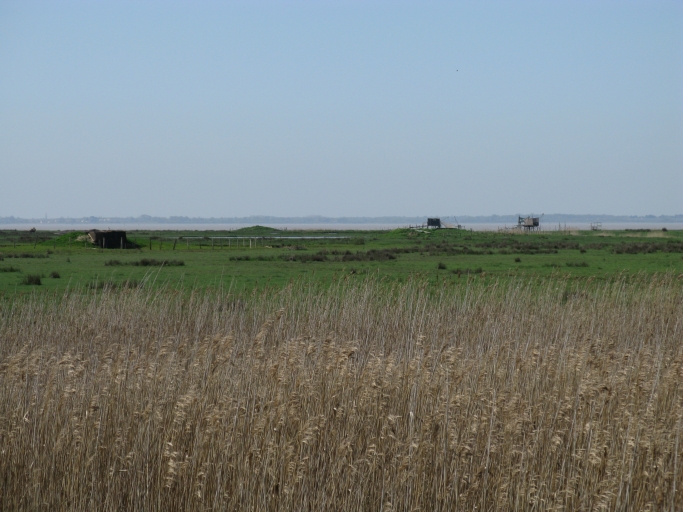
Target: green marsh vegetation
259, 256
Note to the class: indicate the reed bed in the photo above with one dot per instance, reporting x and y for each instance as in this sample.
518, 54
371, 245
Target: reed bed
511, 395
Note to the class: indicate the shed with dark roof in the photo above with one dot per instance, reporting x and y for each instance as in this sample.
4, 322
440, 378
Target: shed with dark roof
109, 239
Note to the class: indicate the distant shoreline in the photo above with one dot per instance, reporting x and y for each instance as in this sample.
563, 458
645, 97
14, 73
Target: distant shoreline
331, 222
476, 226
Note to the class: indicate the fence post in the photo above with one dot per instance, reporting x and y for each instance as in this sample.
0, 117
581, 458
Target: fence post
150, 243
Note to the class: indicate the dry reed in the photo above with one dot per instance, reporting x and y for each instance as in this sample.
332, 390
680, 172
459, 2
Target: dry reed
516, 395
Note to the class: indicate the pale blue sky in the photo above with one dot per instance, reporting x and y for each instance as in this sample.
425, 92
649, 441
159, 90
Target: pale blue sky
340, 108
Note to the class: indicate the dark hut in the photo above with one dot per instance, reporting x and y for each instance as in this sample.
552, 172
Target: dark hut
108, 239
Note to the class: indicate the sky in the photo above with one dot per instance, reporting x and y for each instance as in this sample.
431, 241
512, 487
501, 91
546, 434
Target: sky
340, 108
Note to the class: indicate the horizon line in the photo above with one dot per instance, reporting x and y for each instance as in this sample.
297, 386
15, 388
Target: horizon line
321, 219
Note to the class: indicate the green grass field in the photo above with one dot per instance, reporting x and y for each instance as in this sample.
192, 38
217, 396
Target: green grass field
258, 256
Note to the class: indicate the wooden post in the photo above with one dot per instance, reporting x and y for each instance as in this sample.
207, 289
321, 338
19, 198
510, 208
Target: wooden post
211, 243
174, 242
188, 243
121, 243
150, 243
161, 244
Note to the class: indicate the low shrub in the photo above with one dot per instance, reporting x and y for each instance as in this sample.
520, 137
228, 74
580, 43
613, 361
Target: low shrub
26, 255
306, 258
31, 279
55, 275
251, 258
460, 271
342, 256
645, 248
577, 263
146, 263
157, 263
371, 255
441, 266
9, 269
518, 260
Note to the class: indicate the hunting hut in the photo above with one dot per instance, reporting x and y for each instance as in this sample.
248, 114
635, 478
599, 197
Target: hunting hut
434, 223
529, 223
108, 239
